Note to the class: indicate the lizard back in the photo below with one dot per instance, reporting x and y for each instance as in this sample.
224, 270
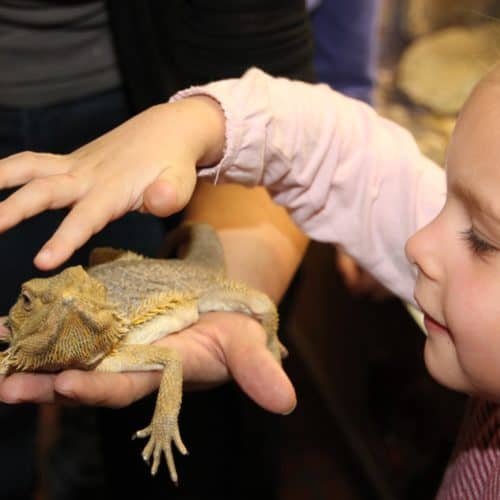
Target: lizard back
130, 282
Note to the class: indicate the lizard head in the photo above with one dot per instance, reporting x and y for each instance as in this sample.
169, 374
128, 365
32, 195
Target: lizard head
64, 321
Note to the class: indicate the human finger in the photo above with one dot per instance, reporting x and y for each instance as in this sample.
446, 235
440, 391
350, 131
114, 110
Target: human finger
27, 387
120, 389
263, 379
113, 390
86, 218
20, 168
349, 270
40, 194
255, 370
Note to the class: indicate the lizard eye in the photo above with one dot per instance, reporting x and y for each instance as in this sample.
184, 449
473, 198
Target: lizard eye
26, 301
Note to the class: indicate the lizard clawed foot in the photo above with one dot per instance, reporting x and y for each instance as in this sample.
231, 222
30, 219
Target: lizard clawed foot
161, 435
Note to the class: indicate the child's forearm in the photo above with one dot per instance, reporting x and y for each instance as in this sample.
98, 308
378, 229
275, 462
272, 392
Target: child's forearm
345, 174
199, 124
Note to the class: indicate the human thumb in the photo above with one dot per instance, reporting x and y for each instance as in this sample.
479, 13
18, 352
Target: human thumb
170, 192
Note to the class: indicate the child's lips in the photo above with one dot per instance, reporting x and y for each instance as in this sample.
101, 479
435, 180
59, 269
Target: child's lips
431, 325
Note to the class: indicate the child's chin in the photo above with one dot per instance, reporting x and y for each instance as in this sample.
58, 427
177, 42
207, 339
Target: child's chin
442, 364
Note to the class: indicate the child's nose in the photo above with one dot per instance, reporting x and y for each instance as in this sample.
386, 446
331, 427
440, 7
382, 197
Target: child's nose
422, 251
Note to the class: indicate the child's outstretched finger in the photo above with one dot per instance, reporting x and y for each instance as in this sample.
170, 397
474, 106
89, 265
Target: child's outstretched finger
40, 194
85, 219
23, 167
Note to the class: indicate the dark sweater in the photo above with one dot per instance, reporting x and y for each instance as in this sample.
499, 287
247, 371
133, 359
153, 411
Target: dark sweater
164, 46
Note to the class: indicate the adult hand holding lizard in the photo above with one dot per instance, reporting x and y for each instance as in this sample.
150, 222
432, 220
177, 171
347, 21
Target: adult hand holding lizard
219, 347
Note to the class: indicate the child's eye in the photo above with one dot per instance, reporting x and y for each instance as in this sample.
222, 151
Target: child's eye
476, 244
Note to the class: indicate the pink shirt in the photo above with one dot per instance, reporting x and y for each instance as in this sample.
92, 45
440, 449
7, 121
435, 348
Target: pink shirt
345, 174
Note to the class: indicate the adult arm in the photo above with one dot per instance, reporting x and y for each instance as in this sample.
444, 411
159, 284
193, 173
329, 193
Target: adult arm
262, 245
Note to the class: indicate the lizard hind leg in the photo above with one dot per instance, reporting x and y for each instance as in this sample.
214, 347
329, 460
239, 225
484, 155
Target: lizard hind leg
164, 428
233, 296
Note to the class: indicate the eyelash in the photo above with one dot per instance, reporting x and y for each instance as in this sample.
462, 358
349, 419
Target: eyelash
476, 244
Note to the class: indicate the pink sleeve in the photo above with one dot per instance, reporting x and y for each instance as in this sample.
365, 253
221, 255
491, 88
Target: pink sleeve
345, 174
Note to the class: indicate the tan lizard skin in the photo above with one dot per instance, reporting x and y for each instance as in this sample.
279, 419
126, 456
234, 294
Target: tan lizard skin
106, 317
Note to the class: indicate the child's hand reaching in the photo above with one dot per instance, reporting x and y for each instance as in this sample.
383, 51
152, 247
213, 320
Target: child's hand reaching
146, 164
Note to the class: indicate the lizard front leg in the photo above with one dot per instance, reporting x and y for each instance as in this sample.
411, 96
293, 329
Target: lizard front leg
164, 427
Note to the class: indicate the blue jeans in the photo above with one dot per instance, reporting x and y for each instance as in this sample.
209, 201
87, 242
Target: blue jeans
56, 129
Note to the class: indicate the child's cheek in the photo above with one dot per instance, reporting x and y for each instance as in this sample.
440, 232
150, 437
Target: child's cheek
465, 310
473, 315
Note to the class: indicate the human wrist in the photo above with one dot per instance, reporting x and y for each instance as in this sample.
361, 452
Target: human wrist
213, 124
198, 122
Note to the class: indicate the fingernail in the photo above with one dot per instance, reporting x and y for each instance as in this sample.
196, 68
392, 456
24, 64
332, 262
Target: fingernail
45, 253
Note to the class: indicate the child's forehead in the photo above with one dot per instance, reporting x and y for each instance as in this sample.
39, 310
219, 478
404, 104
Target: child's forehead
484, 100
473, 160
477, 132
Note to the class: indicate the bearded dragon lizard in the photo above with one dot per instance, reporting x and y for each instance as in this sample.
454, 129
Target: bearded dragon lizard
105, 318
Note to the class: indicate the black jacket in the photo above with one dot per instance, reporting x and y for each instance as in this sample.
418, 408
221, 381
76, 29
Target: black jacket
166, 45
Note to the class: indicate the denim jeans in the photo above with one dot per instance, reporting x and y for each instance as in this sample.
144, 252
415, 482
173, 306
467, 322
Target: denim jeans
56, 129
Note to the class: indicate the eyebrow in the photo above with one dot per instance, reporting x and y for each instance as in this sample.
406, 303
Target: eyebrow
487, 207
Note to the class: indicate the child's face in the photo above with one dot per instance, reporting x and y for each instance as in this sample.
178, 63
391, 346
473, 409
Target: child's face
458, 256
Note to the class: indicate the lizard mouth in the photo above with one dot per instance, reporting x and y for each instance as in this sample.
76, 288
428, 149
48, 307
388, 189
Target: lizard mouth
5, 334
